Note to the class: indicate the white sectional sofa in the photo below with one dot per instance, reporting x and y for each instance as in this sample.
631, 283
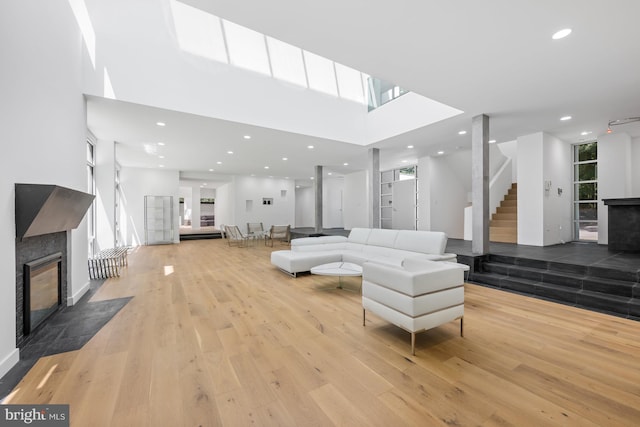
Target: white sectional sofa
416, 296
363, 244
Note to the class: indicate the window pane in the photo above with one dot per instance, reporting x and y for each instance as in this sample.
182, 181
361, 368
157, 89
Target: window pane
286, 62
587, 230
587, 211
587, 151
586, 191
246, 48
198, 32
586, 172
320, 73
349, 83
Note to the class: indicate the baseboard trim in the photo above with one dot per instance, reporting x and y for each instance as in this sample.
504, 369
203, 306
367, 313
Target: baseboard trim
73, 299
9, 362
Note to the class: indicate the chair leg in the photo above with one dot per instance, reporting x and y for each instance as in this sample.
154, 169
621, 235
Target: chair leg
413, 343
462, 326
363, 317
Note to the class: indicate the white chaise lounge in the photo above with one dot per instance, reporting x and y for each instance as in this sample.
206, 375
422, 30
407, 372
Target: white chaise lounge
416, 296
363, 244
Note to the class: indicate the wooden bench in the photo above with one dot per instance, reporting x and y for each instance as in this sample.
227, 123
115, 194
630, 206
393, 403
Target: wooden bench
107, 263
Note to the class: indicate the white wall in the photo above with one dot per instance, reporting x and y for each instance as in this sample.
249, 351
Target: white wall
225, 204
249, 193
42, 115
305, 207
355, 200
544, 217
510, 150
635, 168
105, 176
530, 190
444, 183
614, 175
135, 183
557, 207
332, 202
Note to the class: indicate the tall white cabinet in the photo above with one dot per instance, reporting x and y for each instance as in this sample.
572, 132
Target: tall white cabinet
158, 220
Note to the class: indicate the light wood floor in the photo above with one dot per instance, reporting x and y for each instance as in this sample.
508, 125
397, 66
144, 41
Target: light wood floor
217, 336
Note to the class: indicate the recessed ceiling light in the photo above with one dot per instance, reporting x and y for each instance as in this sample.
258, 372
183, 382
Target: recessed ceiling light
440, 152
266, 167
270, 176
462, 132
218, 163
310, 147
345, 164
561, 34
312, 178
286, 177
585, 133
229, 152
329, 173
565, 118
253, 174
160, 143
162, 157
409, 146
284, 158
405, 161
161, 123
161, 166
210, 170
492, 141
297, 186
247, 137
204, 183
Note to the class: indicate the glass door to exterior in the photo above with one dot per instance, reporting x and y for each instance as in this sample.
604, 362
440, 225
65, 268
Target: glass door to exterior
585, 191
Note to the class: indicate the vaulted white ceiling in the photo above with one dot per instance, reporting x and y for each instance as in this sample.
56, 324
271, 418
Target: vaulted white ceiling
494, 57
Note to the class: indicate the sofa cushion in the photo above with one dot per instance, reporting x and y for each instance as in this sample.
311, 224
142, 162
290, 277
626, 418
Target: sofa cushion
414, 306
382, 237
359, 235
307, 241
426, 242
430, 277
295, 262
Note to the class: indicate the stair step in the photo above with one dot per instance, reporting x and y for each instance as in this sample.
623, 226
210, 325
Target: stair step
511, 197
610, 303
507, 209
511, 223
617, 274
515, 271
608, 286
507, 216
513, 203
557, 293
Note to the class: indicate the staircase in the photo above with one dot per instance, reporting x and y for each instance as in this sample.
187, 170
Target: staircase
503, 226
614, 291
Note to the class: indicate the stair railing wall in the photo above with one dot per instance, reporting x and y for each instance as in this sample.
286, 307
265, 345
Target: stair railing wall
499, 185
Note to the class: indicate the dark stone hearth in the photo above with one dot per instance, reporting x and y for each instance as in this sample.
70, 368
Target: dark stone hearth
584, 275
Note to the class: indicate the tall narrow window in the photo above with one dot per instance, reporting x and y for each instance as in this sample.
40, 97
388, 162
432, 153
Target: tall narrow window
91, 189
585, 191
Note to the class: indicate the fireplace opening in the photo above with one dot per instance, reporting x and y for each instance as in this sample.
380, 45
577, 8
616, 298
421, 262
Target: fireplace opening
42, 290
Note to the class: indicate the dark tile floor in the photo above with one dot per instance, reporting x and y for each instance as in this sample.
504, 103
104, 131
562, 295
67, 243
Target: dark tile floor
67, 330
578, 253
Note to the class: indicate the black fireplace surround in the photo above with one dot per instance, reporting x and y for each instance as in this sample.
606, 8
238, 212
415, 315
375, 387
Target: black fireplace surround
44, 214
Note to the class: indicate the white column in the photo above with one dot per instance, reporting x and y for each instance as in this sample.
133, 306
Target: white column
195, 208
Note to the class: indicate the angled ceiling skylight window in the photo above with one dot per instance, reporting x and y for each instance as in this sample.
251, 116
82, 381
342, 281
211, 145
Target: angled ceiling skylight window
247, 48
286, 62
198, 33
349, 83
320, 73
